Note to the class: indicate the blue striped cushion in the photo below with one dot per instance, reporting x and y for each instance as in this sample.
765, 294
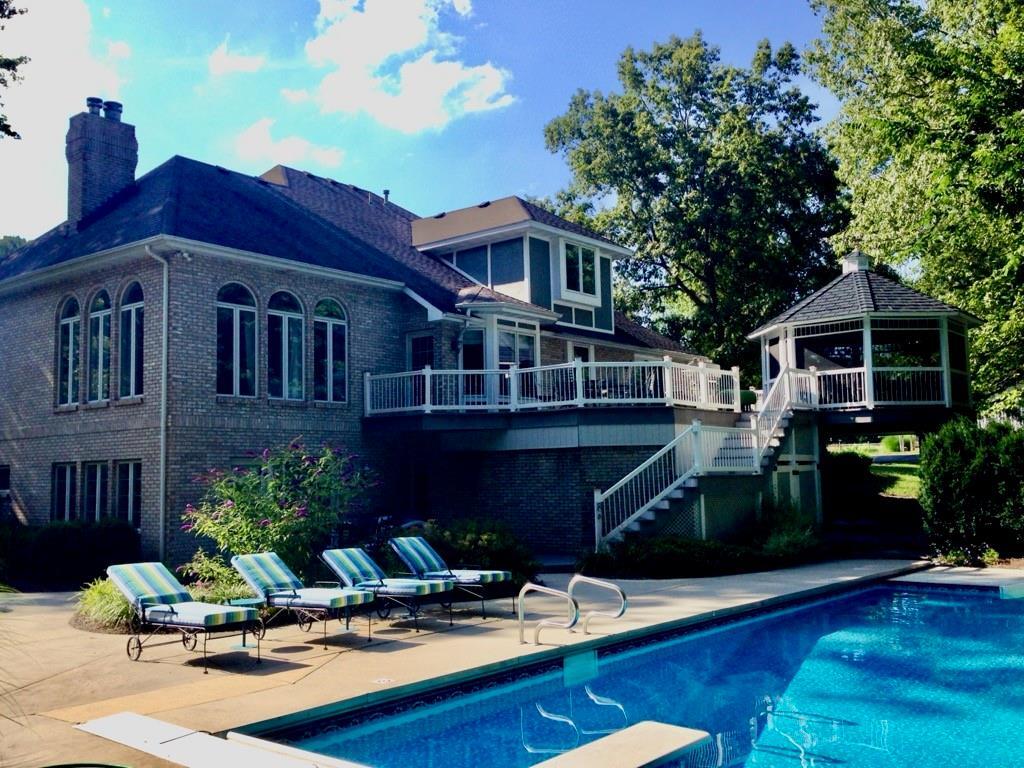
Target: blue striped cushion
316, 597
148, 583
193, 614
407, 587
266, 573
471, 577
417, 554
353, 566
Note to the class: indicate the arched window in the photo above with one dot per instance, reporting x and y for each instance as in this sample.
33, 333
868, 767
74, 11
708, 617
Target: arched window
130, 364
67, 354
284, 347
236, 341
330, 352
99, 348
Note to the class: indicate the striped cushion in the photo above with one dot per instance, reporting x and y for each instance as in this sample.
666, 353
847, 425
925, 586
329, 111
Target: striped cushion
193, 614
265, 573
471, 577
417, 554
315, 597
353, 566
407, 587
148, 583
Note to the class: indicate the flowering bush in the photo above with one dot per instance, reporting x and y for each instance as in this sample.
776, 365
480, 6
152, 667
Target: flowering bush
288, 502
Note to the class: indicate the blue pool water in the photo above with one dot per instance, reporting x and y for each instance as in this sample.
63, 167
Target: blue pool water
884, 677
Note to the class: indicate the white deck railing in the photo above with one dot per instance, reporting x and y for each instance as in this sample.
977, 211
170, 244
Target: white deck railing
575, 384
847, 388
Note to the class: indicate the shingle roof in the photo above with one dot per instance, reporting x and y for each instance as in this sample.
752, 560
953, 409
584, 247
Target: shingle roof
544, 216
193, 200
856, 293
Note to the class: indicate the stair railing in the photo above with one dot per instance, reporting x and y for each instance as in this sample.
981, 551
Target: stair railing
573, 613
581, 579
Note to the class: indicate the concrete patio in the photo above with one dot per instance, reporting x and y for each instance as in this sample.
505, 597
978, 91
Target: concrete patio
54, 676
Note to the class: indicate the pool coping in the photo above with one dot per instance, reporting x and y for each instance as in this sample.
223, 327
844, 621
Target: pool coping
550, 655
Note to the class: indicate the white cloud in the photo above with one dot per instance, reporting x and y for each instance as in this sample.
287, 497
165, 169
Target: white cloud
118, 49
295, 95
391, 60
62, 72
224, 62
256, 145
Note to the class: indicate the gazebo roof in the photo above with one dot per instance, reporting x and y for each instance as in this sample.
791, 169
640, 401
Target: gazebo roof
859, 291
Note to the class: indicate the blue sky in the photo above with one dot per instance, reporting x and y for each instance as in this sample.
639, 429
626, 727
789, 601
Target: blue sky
441, 101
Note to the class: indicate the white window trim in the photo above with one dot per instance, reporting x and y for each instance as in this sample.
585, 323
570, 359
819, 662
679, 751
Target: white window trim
132, 348
67, 505
579, 296
330, 322
517, 330
134, 470
87, 468
408, 345
66, 388
236, 336
102, 371
285, 372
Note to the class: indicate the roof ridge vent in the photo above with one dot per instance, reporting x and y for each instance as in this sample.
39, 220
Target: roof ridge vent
855, 261
440, 215
484, 204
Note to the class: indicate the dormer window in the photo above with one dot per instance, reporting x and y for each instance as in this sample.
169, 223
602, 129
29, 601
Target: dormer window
579, 268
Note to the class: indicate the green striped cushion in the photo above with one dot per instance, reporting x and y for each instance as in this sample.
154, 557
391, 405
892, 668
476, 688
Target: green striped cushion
407, 587
148, 583
417, 554
265, 572
193, 614
316, 597
353, 566
471, 577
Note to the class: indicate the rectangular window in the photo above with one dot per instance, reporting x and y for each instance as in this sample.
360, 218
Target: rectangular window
580, 269
572, 267
421, 352
225, 351
284, 353
330, 372
131, 344
94, 500
63, 492
99, 356
67, 366
246, 353
128, 475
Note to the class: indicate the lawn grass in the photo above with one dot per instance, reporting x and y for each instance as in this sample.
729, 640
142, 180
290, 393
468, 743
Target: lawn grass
864, 449
900, 480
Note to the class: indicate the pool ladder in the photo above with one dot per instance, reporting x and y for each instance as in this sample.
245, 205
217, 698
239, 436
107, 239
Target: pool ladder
573, 612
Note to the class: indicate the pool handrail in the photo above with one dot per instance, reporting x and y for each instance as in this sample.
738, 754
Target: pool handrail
581, 579
573, 617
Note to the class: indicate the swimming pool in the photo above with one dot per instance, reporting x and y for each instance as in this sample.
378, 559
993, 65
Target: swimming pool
882, 677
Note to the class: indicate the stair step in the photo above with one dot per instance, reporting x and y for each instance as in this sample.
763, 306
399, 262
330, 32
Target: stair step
678, 493
691, 482
663, 504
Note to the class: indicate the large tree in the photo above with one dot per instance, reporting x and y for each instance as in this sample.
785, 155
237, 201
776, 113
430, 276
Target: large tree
715, 176
931, 143
8, 66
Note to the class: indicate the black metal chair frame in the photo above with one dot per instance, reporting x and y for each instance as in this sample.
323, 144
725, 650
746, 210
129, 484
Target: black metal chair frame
189, 634
305, 616
411, 603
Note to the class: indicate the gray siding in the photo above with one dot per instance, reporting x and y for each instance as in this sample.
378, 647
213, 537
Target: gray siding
603, 314
507, 267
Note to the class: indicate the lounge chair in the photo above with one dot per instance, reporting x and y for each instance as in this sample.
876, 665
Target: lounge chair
159, 601
357, 569
422, 560
279, 587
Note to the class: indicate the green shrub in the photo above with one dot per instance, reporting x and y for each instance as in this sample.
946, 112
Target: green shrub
972, 490
64, 555
891, 444
102, 606
483, 544
288, 502
212, 579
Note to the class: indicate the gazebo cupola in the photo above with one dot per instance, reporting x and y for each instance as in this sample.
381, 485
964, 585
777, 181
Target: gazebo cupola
872, 343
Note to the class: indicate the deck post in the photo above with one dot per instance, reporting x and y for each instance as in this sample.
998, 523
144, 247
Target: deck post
736, 404
814, 385
698, 459
666, 372
513, 387
598, 527
577, 368
367, 395
702, 385
426, 389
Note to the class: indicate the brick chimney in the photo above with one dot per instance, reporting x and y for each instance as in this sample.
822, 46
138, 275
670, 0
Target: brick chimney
102, 154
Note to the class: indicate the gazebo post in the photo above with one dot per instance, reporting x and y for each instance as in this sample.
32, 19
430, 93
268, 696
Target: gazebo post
869, 373
944, 357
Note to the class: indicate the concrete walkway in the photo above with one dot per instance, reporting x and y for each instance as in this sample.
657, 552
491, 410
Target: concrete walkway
53, 676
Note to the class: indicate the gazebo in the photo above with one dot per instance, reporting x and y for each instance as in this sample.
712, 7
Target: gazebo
880, 352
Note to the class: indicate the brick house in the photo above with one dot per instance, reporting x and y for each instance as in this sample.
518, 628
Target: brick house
177, 321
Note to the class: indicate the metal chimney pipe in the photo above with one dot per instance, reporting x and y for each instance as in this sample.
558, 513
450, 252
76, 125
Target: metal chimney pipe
112, 110
387, 194
93, 104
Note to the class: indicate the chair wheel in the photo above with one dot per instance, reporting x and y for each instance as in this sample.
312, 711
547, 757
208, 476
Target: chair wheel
305, 622
384, 610
134, 647
189, 640
258, 629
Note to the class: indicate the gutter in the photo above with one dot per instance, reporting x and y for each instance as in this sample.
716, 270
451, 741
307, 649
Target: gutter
162, 515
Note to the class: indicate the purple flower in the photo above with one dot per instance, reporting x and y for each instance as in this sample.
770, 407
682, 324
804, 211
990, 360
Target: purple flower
186, 526
282, 502
266, 453
229, 504
265, 522
307, 459
301, 512
295, 445
189, 509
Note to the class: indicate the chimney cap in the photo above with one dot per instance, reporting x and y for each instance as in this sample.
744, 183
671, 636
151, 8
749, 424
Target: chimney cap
855, 261
387, 194
93, 104
112, 110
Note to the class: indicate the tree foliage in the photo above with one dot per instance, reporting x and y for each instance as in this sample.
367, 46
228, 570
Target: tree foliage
931, 144
8, 66
10, 243
714, 175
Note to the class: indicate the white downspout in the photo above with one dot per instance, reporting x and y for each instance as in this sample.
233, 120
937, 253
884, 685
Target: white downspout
163, 403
